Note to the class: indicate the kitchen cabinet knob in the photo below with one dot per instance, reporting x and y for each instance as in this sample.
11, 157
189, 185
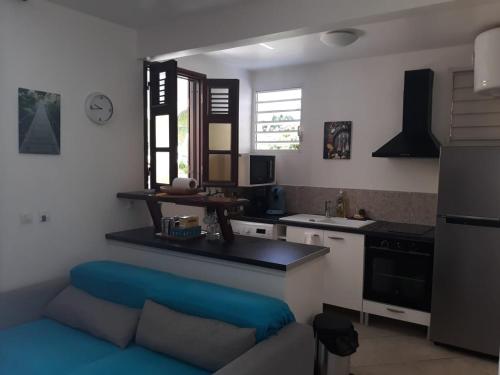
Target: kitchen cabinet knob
336, 238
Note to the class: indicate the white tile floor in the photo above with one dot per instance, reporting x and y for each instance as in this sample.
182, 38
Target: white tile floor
389, 347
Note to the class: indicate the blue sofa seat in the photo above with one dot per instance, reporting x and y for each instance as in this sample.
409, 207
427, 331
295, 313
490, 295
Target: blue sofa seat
45, 347
138, 360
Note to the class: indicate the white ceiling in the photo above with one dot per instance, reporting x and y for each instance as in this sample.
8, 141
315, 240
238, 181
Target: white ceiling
138, 14
425, 31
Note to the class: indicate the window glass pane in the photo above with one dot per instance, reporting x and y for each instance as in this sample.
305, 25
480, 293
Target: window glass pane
183, 127
278, 137
278, 116
163, 167
279, 95
162, 131
277, 146
219, 136
219, 167
279, 106
276, 126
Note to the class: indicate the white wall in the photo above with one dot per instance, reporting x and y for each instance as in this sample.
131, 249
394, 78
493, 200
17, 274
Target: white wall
215, 69
49, 48
367, 92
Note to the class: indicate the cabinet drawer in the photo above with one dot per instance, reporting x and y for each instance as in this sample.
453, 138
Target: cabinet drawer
396, 312
350, 238
344, 269
304, 235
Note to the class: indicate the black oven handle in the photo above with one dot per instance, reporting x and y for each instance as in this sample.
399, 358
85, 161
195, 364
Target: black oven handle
394, 251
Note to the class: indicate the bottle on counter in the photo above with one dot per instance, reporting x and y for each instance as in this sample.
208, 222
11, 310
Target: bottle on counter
341, 205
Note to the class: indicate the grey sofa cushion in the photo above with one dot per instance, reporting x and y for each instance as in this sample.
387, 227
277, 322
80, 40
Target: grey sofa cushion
205, 343
103, 319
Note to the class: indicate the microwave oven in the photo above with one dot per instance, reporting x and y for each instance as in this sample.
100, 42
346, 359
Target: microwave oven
256, 170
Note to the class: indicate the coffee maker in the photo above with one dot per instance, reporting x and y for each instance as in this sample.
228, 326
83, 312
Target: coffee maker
276, 201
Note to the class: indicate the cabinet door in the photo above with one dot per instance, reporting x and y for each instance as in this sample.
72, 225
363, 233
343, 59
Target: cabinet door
344, 269
304, 235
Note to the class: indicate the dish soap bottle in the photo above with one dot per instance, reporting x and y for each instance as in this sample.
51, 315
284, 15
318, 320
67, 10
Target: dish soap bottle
340, 206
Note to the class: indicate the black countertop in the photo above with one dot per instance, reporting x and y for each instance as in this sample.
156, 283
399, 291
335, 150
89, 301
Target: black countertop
278, 255
264, 218
387, 229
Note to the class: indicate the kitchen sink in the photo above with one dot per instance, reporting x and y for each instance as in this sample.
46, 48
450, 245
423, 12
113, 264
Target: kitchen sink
323, 220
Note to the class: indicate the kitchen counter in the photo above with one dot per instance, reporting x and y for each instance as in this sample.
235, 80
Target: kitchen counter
278, 255
414, 232
264, 218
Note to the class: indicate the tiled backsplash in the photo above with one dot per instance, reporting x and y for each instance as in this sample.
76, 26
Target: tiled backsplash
397, 206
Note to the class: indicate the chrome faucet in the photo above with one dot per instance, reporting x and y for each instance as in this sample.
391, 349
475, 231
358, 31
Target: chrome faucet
328, 208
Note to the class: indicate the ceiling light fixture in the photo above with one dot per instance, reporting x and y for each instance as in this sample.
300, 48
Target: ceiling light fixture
339, 38
265, 45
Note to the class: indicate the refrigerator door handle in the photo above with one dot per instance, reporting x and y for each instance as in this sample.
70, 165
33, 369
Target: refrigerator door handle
472, 220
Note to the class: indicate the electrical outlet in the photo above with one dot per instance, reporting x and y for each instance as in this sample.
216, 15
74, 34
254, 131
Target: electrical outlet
43, 217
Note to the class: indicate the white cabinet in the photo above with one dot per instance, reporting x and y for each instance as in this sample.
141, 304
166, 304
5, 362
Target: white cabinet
304, 235
343, 282
344, 269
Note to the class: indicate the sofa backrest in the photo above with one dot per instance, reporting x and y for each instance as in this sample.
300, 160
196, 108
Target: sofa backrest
132, 286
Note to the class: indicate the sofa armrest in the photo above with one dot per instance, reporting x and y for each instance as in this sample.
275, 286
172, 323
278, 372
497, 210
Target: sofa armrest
289, 352
27, 304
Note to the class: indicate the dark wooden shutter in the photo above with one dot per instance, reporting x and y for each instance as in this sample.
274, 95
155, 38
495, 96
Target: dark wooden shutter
220, 132
162, 103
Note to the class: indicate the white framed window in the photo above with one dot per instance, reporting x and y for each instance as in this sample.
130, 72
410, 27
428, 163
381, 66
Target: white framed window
277, 119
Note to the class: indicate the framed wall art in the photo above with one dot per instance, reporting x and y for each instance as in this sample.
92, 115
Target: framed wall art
39, 122
337, 140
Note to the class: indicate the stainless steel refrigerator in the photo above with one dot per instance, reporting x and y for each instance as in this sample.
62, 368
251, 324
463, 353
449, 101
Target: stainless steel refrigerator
466, 283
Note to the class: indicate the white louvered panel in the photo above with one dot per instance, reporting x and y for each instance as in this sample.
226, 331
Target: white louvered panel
473, 117
476, 120
161, 88
463, 79
219, 101
476, 134
476, 107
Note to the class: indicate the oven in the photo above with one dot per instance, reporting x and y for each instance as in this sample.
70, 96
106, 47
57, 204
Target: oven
398, 272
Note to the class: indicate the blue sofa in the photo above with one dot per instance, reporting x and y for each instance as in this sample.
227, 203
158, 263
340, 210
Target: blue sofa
45, 347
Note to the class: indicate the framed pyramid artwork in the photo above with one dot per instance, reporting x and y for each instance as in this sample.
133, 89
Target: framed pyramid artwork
39, 122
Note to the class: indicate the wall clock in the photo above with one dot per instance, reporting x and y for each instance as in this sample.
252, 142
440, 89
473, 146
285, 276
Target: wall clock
99, 108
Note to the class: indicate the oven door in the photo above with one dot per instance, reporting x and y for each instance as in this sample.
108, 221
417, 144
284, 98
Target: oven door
262, 169
398, 277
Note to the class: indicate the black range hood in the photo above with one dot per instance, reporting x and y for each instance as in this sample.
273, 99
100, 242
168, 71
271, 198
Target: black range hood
416, 140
